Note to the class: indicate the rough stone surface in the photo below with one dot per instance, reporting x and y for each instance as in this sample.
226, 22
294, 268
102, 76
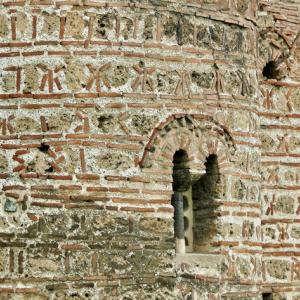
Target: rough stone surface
95, 100
10, 206
4, 26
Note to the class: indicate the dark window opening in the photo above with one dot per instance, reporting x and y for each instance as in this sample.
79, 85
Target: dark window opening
181, 183
181, 176
205, 191
194, 204
267, 296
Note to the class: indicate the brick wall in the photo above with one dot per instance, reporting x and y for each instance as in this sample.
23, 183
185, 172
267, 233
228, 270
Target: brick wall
96, 97
279, 117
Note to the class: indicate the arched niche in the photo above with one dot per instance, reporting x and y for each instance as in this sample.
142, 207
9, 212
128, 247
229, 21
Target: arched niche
196, 150
198, 135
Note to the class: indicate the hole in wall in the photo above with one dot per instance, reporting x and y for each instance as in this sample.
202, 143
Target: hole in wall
44, 148
50, 170
73, 295
271, 71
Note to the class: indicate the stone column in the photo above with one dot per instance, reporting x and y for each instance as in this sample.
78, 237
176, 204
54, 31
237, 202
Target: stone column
179, 222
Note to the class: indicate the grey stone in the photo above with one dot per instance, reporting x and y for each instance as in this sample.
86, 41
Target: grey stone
10, 206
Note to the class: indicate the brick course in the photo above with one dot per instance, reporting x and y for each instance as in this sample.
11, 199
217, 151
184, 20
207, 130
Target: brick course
95, 99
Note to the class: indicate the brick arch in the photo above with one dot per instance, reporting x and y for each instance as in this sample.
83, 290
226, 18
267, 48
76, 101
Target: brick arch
199, 135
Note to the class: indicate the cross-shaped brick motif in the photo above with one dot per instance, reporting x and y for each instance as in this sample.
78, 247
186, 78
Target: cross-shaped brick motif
270, 205
283, 232
268, 101
6, 126
143, 78
97, 77
50, 77
183, 85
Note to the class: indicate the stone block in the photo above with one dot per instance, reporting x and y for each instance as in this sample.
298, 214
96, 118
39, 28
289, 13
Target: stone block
105, 26
22, 25
60, 121
31, 79
113, 161
278, 269
22, 124
3, 162
118, 75
75, 25
4, 26
285, 205
144, 124
149, 27
51, 23
10, 206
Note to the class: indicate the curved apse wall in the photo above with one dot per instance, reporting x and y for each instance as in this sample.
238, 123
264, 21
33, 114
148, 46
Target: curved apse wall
95, 99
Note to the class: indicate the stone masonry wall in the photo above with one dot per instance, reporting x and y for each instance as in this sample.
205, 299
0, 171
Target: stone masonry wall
279, 118
95, 99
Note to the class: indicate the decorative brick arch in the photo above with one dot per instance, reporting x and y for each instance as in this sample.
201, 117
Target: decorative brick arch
199, 135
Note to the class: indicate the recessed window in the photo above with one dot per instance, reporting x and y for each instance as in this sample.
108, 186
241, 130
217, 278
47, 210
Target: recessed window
205, 191
180, 201
267, 296
185, 203
194, 207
